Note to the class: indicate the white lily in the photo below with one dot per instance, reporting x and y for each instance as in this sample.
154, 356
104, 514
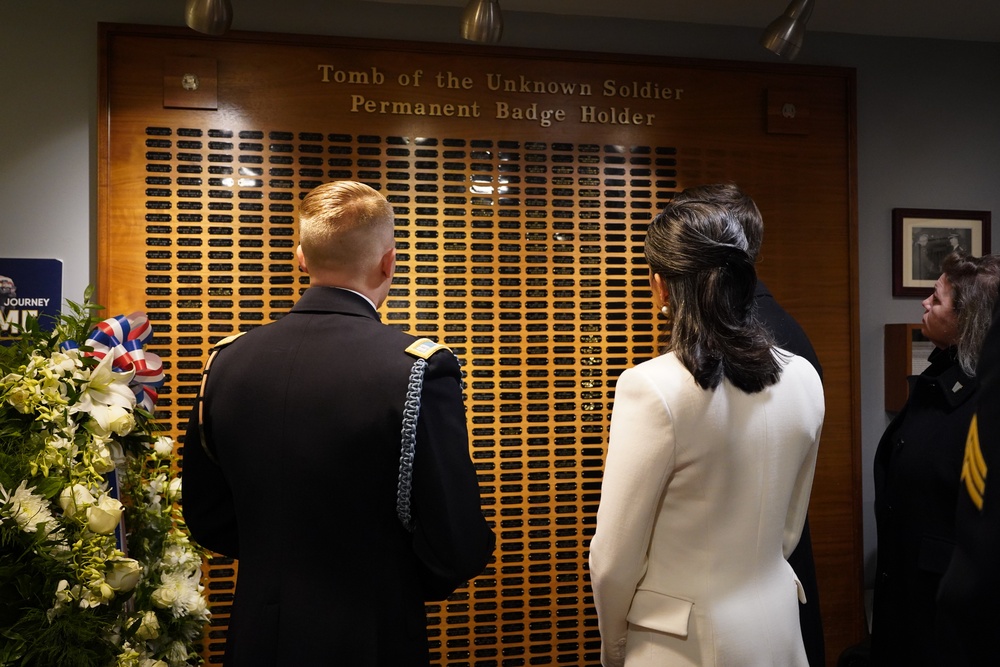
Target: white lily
107, 397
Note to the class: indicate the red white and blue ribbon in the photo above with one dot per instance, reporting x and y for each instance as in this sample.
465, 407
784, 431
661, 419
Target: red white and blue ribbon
123, 337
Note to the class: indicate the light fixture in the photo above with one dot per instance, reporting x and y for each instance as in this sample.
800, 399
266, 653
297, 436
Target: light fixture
212, 17
482, 22
784, 36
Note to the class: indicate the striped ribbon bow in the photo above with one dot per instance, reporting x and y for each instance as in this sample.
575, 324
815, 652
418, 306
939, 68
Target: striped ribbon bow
123, 337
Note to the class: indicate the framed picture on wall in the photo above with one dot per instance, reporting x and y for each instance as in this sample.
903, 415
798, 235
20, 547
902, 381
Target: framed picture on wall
922, 238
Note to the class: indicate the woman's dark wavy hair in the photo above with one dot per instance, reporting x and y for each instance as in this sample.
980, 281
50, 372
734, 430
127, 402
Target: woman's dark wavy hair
700, 251
974, 282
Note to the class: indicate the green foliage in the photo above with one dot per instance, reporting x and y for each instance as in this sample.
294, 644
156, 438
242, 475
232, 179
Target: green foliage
74, 639
69, 596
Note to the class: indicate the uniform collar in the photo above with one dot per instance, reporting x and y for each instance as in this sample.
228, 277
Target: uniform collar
335, 300
946, 378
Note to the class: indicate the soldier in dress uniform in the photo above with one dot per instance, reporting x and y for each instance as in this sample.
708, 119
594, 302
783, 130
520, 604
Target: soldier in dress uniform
331, 457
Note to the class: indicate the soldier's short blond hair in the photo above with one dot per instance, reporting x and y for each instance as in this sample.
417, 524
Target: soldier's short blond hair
344, 225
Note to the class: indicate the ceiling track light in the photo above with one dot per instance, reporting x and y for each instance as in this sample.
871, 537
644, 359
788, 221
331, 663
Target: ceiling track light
482, 22
212, 17
783, 37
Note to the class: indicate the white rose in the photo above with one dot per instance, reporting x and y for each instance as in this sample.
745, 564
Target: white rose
124, 575
20, 398
102, 462
74, 499
122, 421
164, 597
174, 489
197, 606
164, 447
177, 653
103, 517
150, 626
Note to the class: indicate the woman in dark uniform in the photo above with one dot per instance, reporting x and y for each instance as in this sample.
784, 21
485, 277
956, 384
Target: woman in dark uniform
919, 460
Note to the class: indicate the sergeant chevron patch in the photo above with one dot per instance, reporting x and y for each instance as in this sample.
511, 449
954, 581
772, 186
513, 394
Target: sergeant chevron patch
974, 466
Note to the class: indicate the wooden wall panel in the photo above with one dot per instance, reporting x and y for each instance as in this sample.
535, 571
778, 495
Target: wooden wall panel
520, 228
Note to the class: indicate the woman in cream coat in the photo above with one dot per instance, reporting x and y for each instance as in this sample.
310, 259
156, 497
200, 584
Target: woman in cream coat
709, 468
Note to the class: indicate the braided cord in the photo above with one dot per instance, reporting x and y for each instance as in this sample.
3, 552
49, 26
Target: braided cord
411, 411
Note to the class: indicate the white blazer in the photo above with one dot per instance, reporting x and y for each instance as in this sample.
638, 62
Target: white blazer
704, 496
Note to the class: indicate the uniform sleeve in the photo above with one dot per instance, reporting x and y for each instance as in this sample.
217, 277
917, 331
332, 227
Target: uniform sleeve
799, 504
207, 501
640, 458
968, 609
451, 537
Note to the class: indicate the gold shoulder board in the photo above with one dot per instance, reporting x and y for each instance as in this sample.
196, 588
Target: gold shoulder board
201, 392
228, 339
424, 348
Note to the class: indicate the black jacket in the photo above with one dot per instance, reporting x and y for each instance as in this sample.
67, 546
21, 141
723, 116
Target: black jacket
917, 467
304, 418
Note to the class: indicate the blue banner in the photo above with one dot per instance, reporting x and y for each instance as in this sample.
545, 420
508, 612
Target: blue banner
29, 287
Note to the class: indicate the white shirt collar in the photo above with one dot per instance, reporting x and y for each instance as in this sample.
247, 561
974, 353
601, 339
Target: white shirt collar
372, 303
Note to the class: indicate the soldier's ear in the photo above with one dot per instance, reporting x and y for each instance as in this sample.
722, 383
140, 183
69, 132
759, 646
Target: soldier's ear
388, 263
301, 259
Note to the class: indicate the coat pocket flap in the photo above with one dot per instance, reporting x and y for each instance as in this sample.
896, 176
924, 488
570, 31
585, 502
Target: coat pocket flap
657, 611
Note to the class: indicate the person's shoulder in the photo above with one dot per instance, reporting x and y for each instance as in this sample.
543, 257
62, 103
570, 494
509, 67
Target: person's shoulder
789, 359
797, 369
427, 349
798, 394
227, 343
662, 371
248, 339
434, 353
658, 364
228, 340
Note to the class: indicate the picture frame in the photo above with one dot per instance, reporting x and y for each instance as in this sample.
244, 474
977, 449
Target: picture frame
922, 238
